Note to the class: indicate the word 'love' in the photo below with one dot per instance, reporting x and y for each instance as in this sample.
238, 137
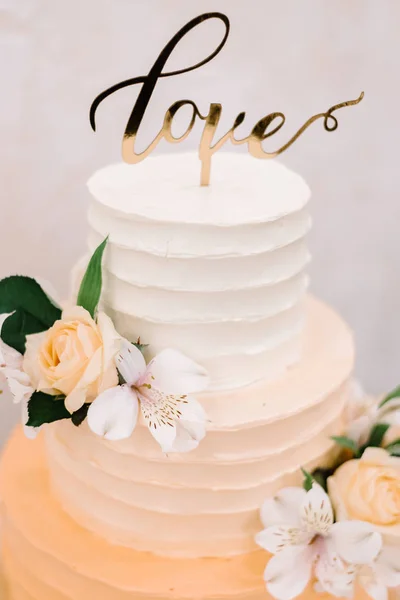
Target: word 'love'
263, 129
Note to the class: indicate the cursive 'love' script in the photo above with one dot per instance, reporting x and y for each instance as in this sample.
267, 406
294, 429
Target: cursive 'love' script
262, 130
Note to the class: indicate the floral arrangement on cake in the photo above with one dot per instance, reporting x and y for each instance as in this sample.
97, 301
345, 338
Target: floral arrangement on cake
341, 530
72, 364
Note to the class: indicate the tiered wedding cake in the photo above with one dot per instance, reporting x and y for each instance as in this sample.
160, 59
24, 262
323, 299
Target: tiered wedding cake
218, 273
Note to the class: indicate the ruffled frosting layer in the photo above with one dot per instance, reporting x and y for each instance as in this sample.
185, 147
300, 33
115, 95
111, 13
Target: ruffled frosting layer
48, 556
225, 264
206, 502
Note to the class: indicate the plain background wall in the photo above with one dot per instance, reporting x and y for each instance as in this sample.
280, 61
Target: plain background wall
295, 56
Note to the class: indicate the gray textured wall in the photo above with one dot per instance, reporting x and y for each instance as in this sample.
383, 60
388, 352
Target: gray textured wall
297, 56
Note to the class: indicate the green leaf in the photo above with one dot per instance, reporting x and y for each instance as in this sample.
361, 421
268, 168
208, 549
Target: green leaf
92, 282
16, 327
140, 346
80, 415
393, 394
43, 408
345, 442
394, 443
395, 450
34, 311
376, 436
308, 480
394, 447
24, 293
321, 476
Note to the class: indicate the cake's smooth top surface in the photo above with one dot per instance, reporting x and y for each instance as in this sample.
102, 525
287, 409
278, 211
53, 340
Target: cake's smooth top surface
166, 188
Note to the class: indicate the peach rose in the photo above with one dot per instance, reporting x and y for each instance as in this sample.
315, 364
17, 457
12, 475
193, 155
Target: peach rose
75, 357
368, 489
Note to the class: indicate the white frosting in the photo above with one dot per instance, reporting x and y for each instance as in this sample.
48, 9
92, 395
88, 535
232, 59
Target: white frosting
166, 188
216, 272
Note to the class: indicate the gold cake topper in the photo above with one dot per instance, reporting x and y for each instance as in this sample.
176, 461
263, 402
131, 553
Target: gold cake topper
260, 132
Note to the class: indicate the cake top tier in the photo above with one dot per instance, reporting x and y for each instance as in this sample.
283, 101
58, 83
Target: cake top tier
218, 271
165, 188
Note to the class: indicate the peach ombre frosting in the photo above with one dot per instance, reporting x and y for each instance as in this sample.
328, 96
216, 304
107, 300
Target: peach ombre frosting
218, 273
206, 502
84, 518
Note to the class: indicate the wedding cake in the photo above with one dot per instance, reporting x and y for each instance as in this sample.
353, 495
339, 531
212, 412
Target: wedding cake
190, 425
219, 274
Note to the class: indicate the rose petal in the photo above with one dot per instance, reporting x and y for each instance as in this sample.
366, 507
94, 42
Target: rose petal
175, 373
113, 415
288, 573
284, 507
108, 379
80, 314
130, 362
111, 339
30, 364
75, 400
278, 538
92, 370
356, 542
378, 457
341, 513
81, 379
316, 512
88, 338
65, 384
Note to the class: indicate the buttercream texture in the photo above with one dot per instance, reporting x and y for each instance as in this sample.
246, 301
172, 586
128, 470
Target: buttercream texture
220, 270
218, 273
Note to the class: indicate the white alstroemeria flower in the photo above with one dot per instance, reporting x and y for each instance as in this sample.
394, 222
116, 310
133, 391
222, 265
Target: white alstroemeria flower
301, 533
175, 420
360, 413
382, 574
363, 412
11, 366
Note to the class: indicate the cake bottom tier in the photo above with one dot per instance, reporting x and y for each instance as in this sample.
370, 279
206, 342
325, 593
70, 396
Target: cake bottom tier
48, 556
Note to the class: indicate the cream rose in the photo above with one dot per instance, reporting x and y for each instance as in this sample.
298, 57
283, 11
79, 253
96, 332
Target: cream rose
75, 357
368, 489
